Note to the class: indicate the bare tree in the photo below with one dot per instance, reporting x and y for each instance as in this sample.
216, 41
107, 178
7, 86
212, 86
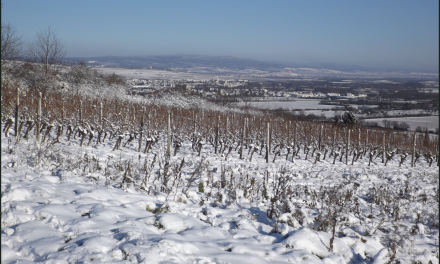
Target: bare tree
47, 49
11, 43
80, 73
387, 123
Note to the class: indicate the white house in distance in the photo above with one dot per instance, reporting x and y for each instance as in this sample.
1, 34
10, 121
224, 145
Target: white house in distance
305, 95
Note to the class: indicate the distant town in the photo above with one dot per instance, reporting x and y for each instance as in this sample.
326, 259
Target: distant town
213, 88
394, 93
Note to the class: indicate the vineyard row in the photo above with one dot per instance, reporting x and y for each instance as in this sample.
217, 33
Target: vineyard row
273, 136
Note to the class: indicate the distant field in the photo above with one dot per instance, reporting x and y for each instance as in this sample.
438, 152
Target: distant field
157, 74
430, 121
327, 113
297, 104
294, 103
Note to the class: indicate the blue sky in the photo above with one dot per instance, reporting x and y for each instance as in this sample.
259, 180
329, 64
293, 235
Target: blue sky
388, 34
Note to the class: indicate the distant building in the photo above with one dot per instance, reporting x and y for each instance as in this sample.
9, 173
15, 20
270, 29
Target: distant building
320, 95
305, 95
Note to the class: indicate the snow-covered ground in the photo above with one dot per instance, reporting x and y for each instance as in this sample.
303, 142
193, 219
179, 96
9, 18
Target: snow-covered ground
62, 203
289, 105
431, 122
157, 74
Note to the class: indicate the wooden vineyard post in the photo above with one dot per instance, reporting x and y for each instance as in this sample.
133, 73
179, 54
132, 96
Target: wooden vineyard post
194, 121
169, 134
243, 134
268, 142
383, 146
366, 139
62, 109
80, 109
125, 118
438, 152
195, 126
346, 148
134, 114
149, 125
38, 116
414, 150
141, 129
226, 126
17, 103
294, 137
320, 139
100, 115
216, 134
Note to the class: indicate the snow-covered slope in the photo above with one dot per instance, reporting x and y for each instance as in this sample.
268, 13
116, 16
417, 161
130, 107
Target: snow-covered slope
62, 203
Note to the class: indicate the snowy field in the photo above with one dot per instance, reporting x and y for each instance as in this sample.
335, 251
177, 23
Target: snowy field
327, 113
157, 74
423, 121
62, 203
432, 122
297, 104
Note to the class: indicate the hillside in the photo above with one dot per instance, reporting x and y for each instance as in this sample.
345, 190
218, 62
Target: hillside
206, 184
249, 68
